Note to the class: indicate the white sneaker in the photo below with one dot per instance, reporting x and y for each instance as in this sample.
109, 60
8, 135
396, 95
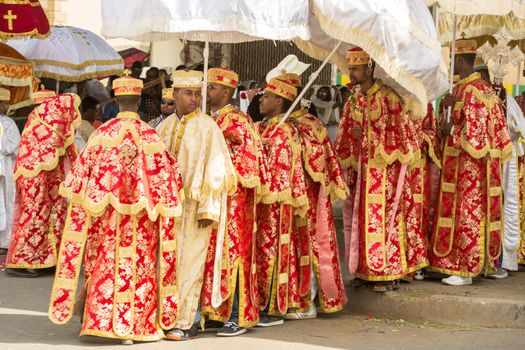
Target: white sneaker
311, 313
457, 281
500, 273
419, 276
126, 342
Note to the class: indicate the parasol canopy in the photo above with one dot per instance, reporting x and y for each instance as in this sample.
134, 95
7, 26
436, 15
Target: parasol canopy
204, 20
481, 7
16, 75
24, 18
132, 55
70, 54
399, 35
479, 18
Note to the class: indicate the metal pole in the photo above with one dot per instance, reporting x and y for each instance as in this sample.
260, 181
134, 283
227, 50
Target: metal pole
206, 54
306, 87
452, 62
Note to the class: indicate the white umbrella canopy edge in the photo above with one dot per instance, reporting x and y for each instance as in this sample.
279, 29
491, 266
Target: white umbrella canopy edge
73, 75
70, 54
223, 22
403, 44
476, 7
479, 25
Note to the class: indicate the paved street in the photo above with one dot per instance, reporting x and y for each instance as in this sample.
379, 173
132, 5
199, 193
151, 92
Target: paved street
24, 325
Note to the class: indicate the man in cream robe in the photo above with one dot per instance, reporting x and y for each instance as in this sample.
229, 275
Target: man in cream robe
208, 176
9, 141
513, 232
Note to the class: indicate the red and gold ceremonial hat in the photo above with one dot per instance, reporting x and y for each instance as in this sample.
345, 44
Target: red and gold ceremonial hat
356, 57
223, 76
466, 46
42, 95
127, 85
5, 95
290, 78
167, 93
281, 88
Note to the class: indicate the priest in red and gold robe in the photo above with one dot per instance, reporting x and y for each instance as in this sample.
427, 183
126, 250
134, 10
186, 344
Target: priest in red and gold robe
240, 308
287, 199
466, 238
315, 256
46, 151
125, 198
375, 144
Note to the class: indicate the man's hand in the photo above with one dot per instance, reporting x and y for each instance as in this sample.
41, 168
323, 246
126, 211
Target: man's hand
449, 100
357, 133
445, 128
203, 223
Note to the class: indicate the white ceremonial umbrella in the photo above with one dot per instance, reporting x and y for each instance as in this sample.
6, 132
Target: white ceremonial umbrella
399, 35
476, 18
70, 54
204, 20
481, 7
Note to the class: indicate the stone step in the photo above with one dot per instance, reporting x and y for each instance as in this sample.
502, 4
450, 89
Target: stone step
486, 303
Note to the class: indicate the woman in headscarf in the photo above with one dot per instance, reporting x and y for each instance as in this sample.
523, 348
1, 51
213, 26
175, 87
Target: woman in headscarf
326, 101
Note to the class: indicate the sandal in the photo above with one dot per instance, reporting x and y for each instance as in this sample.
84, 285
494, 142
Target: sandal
382, 287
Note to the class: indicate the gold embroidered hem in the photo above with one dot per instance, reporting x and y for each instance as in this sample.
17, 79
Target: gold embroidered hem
109, 199
130, 337
431, 151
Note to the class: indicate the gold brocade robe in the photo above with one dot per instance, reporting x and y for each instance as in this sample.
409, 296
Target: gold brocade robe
287, 199
124, 213
315, 236
466, 237
390, 246
239, 274
46, 151
208, 176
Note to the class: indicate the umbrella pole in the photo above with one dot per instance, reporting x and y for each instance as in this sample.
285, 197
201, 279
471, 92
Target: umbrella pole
452, 62
206, 54
57, 85
306, 87
518, 75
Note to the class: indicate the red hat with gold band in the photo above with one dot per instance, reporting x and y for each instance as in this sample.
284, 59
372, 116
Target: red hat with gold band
466, 46
42, 95
127, 85
356, 57
290, 78
223, 76
281, 88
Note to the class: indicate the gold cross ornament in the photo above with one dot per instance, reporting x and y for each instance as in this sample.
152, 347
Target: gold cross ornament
10, 18
127, 154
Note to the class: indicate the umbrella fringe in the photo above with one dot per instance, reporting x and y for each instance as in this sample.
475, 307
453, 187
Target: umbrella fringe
357, 37
81, 66
469, 7
77, 78
341, 30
